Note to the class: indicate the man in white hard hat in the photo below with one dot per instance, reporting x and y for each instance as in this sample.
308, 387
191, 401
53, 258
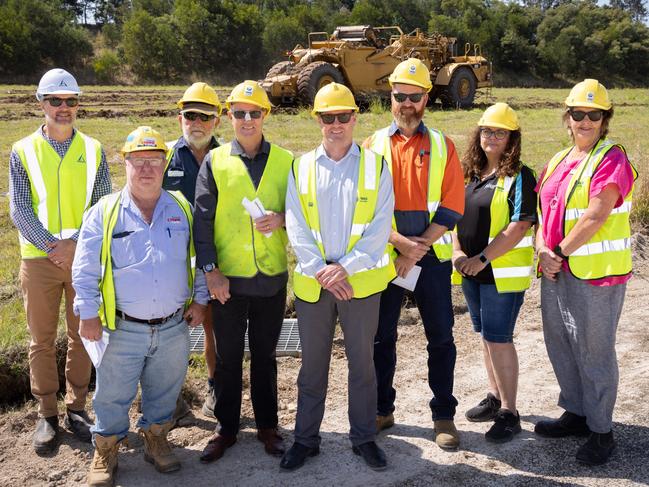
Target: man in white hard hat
136, 282
55, 175
339, 206
200, 110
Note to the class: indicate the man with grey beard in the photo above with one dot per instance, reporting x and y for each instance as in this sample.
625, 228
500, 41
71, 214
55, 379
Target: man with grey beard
198, 118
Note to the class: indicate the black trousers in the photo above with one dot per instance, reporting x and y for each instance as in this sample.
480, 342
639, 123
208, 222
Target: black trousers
263, 316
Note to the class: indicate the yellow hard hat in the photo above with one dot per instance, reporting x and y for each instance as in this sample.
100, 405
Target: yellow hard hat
411, 72
500, 115
144, 138
333, 97
589, 93
249, 92
200, 97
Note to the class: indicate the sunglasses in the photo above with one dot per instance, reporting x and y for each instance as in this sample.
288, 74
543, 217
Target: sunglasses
500, 134
191, 116
57, 102
328, 118
578, 115
241, 114
141, 161
401, 97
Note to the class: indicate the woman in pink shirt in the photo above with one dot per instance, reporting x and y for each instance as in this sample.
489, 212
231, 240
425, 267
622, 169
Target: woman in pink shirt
584, 249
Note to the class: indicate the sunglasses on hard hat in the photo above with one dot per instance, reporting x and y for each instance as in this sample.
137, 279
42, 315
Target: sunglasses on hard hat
241, 114
500, 134
401, 97
578, 115
328, 118
191, 116
57, 102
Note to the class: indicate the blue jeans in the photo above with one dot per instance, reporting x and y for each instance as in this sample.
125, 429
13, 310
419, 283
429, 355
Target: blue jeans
156, 356
493, 314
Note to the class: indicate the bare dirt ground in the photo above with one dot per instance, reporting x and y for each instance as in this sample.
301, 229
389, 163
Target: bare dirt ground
414, 459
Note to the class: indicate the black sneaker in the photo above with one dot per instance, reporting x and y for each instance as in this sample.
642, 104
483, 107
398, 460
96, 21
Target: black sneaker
79, 423
506, 425
485, 411
568, 424
597, 449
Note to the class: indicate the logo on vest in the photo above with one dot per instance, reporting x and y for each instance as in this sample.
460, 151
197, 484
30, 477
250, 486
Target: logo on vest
363, 199
81, 160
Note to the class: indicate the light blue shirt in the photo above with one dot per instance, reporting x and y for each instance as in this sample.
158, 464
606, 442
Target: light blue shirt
336, 192
149, 261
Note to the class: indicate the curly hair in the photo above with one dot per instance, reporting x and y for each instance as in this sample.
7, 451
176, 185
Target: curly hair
475, 160
607, 115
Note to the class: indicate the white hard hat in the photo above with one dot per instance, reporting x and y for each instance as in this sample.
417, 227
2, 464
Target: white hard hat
57, 82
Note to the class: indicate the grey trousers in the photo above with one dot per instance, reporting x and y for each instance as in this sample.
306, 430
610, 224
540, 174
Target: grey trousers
579, 325
316, 322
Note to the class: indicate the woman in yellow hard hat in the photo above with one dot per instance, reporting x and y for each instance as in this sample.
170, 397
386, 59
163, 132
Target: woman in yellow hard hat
493, 255
584, 248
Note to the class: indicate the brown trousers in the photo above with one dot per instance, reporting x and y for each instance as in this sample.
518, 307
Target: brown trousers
42, 285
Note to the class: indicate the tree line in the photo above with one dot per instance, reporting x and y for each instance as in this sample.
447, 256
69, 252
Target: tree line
533, 42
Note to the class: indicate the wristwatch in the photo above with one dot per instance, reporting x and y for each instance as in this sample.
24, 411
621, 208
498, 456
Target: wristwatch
483, 258
557, 250
209, 267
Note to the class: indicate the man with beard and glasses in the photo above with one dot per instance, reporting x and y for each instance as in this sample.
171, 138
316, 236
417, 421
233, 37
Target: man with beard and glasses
429, 200
199, 116
55, 175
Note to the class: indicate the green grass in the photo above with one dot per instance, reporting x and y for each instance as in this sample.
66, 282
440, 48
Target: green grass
539, 111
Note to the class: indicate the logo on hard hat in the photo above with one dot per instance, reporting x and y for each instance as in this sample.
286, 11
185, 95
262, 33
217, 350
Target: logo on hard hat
63, 83
248, 90
590, 96
148, 142
412, 69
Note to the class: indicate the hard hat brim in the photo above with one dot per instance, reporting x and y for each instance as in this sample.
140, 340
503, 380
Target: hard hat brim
402, 81
588, 104
498, 125
142, 149
338, 108
229, 103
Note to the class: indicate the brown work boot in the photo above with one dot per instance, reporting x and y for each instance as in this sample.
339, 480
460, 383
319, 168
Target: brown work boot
446, 435
384, 422
157, 450
104, 462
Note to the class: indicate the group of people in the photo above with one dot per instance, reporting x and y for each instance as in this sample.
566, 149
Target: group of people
199, 234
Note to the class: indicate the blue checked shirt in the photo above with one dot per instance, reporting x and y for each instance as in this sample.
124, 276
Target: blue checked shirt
20, 195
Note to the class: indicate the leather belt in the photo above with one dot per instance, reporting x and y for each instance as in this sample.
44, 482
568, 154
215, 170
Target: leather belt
153, 321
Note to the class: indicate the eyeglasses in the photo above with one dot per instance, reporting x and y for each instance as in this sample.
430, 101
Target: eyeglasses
401, 97
578, 115
500, 134
141, 161
57, 102
191, 116
329, 118
241, 114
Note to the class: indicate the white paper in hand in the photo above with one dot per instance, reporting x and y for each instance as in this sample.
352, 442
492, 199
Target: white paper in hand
96, 349
410, 281
255, 209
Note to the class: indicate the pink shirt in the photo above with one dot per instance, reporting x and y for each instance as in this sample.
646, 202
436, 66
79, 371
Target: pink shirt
614, 169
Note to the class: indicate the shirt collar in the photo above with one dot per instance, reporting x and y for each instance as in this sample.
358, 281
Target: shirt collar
354, 151
421, 128
237, 150
127, 201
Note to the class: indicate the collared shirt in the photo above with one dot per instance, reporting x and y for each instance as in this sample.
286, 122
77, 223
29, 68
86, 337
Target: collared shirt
336, 192
207, 196
20, 200
149, 261
183, 169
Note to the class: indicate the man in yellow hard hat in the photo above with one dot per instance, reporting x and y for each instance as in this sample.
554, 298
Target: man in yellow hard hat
429, 200
137, 293
338, 212
55, 175
241, 246
200, 110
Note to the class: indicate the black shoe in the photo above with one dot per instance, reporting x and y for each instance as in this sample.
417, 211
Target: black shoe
79, 423
506, 425
569, 424
294, 458
485, 410
372, 454
597, 449
46, 435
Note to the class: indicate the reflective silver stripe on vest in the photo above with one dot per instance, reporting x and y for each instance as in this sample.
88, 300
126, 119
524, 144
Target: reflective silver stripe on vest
317, 236
576, 213
432, 206
525, 242
445, 239
602, 247
303, 172
505, 272
439, 142
91, 168
67, 233
370, 170
36, 178
359, 228
382, 262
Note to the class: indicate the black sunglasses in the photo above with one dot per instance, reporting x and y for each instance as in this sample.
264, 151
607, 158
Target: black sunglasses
191, 116
401, 97
578, 115
328, 118
57, 102
241, 114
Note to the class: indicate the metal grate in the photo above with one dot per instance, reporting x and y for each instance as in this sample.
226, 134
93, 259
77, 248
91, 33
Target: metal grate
287, 345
